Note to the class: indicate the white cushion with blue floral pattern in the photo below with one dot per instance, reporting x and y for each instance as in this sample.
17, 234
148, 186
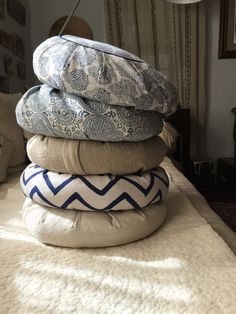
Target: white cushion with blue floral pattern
48, 111
102, 72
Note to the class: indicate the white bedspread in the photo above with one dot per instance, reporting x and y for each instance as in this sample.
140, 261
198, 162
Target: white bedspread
185, 267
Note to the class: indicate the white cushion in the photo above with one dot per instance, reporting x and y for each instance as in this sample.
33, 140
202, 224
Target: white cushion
76, 229
102, 72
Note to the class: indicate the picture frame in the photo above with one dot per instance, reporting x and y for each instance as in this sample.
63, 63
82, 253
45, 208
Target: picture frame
21, 70
6, 40
9, 65
16, 10
2, 8
19, 49
4, 86
227, 36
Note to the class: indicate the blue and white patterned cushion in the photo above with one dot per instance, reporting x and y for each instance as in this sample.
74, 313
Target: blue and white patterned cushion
48, 111
102, 72
91, 193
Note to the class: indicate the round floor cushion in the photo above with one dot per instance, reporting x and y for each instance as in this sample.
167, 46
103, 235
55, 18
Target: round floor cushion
98, 192
102, 72
76, 229
48, 111
92, 157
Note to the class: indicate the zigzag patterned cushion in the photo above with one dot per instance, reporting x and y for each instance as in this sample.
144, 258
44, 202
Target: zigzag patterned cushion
102, 72
76, 229
101, 192
45, 110
92, 157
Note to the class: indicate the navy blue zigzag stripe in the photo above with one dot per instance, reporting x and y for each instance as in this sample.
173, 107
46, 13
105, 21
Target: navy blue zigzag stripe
103, 191
75, 196
26, 181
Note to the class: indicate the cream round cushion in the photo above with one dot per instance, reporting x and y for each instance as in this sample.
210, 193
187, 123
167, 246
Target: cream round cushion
94, 192
76, 229
102, 72
93, 157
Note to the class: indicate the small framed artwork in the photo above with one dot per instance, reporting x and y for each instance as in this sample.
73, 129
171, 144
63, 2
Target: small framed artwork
9, 65
4, 86
2, 8
227, 38
21, 70
19, 49
16, 10
6, 40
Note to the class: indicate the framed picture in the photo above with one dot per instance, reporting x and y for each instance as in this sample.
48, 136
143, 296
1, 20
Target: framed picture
16, 10
19, 49
227, 38
4, 86
9, 65
6, 40
21, 70
2, 8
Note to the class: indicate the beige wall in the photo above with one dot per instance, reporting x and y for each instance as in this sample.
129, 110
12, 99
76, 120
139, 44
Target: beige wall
45, 12
221, 87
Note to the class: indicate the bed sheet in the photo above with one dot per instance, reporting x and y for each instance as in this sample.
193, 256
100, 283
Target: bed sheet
184, 267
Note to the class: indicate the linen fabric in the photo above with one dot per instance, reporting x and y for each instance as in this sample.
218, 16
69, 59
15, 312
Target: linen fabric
45, 110
6, 149
92, 157
9, 128
104, 73
76, 229
94, 193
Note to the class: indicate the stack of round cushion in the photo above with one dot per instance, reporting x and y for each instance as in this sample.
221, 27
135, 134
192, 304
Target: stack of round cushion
94, 180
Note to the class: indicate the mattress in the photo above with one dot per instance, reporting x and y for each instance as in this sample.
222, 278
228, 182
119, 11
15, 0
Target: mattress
184, 267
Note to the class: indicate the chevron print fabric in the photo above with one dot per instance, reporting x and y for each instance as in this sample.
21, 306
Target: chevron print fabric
93, 193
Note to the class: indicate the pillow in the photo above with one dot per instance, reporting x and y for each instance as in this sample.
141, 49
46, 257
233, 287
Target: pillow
77, 229
6, 149
48, 111
9, 128
92, 157
102, 72
96, 193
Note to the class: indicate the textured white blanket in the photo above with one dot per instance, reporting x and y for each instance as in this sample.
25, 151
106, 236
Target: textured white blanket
185, 267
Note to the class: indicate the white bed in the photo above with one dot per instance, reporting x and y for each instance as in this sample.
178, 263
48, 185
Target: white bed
187, 266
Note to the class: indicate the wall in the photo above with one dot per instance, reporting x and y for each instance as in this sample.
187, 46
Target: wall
221, 86
45, 12
11, 26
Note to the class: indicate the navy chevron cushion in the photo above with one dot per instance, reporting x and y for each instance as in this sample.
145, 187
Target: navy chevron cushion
102, 72
98, 192
48, 111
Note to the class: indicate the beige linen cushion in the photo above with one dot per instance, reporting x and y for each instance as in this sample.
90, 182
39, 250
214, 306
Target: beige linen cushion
6, 149
92, 157
10, 129
76, 229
